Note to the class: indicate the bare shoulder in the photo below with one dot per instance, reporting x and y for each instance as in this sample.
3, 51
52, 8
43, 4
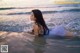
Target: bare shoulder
36, 26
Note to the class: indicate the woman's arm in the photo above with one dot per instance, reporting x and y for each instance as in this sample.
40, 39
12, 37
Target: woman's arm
36, 30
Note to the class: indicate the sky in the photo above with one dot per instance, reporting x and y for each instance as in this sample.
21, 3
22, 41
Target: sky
19, 3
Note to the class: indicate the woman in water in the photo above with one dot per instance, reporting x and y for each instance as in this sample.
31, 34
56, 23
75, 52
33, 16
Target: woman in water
40, 28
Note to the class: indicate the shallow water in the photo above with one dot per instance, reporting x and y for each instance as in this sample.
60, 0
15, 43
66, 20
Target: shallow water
15, 25
22, 42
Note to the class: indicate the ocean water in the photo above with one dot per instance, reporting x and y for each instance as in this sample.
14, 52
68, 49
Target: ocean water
17, 19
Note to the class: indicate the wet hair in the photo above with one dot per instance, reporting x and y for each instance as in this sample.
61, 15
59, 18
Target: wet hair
40, 21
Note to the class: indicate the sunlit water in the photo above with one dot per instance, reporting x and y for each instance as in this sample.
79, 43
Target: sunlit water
18, 20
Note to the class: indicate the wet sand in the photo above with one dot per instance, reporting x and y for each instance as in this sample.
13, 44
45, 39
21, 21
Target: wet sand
22, 42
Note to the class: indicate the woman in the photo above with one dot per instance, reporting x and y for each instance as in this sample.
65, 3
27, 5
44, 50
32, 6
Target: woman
40, 28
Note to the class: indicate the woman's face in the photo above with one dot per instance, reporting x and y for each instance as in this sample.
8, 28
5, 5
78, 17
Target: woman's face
32, 17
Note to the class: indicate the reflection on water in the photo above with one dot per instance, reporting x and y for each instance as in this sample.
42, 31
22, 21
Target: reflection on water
22, 42
39, 43
3, 37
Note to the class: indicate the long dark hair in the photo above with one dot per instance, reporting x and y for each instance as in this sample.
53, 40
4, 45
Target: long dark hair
39, 20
